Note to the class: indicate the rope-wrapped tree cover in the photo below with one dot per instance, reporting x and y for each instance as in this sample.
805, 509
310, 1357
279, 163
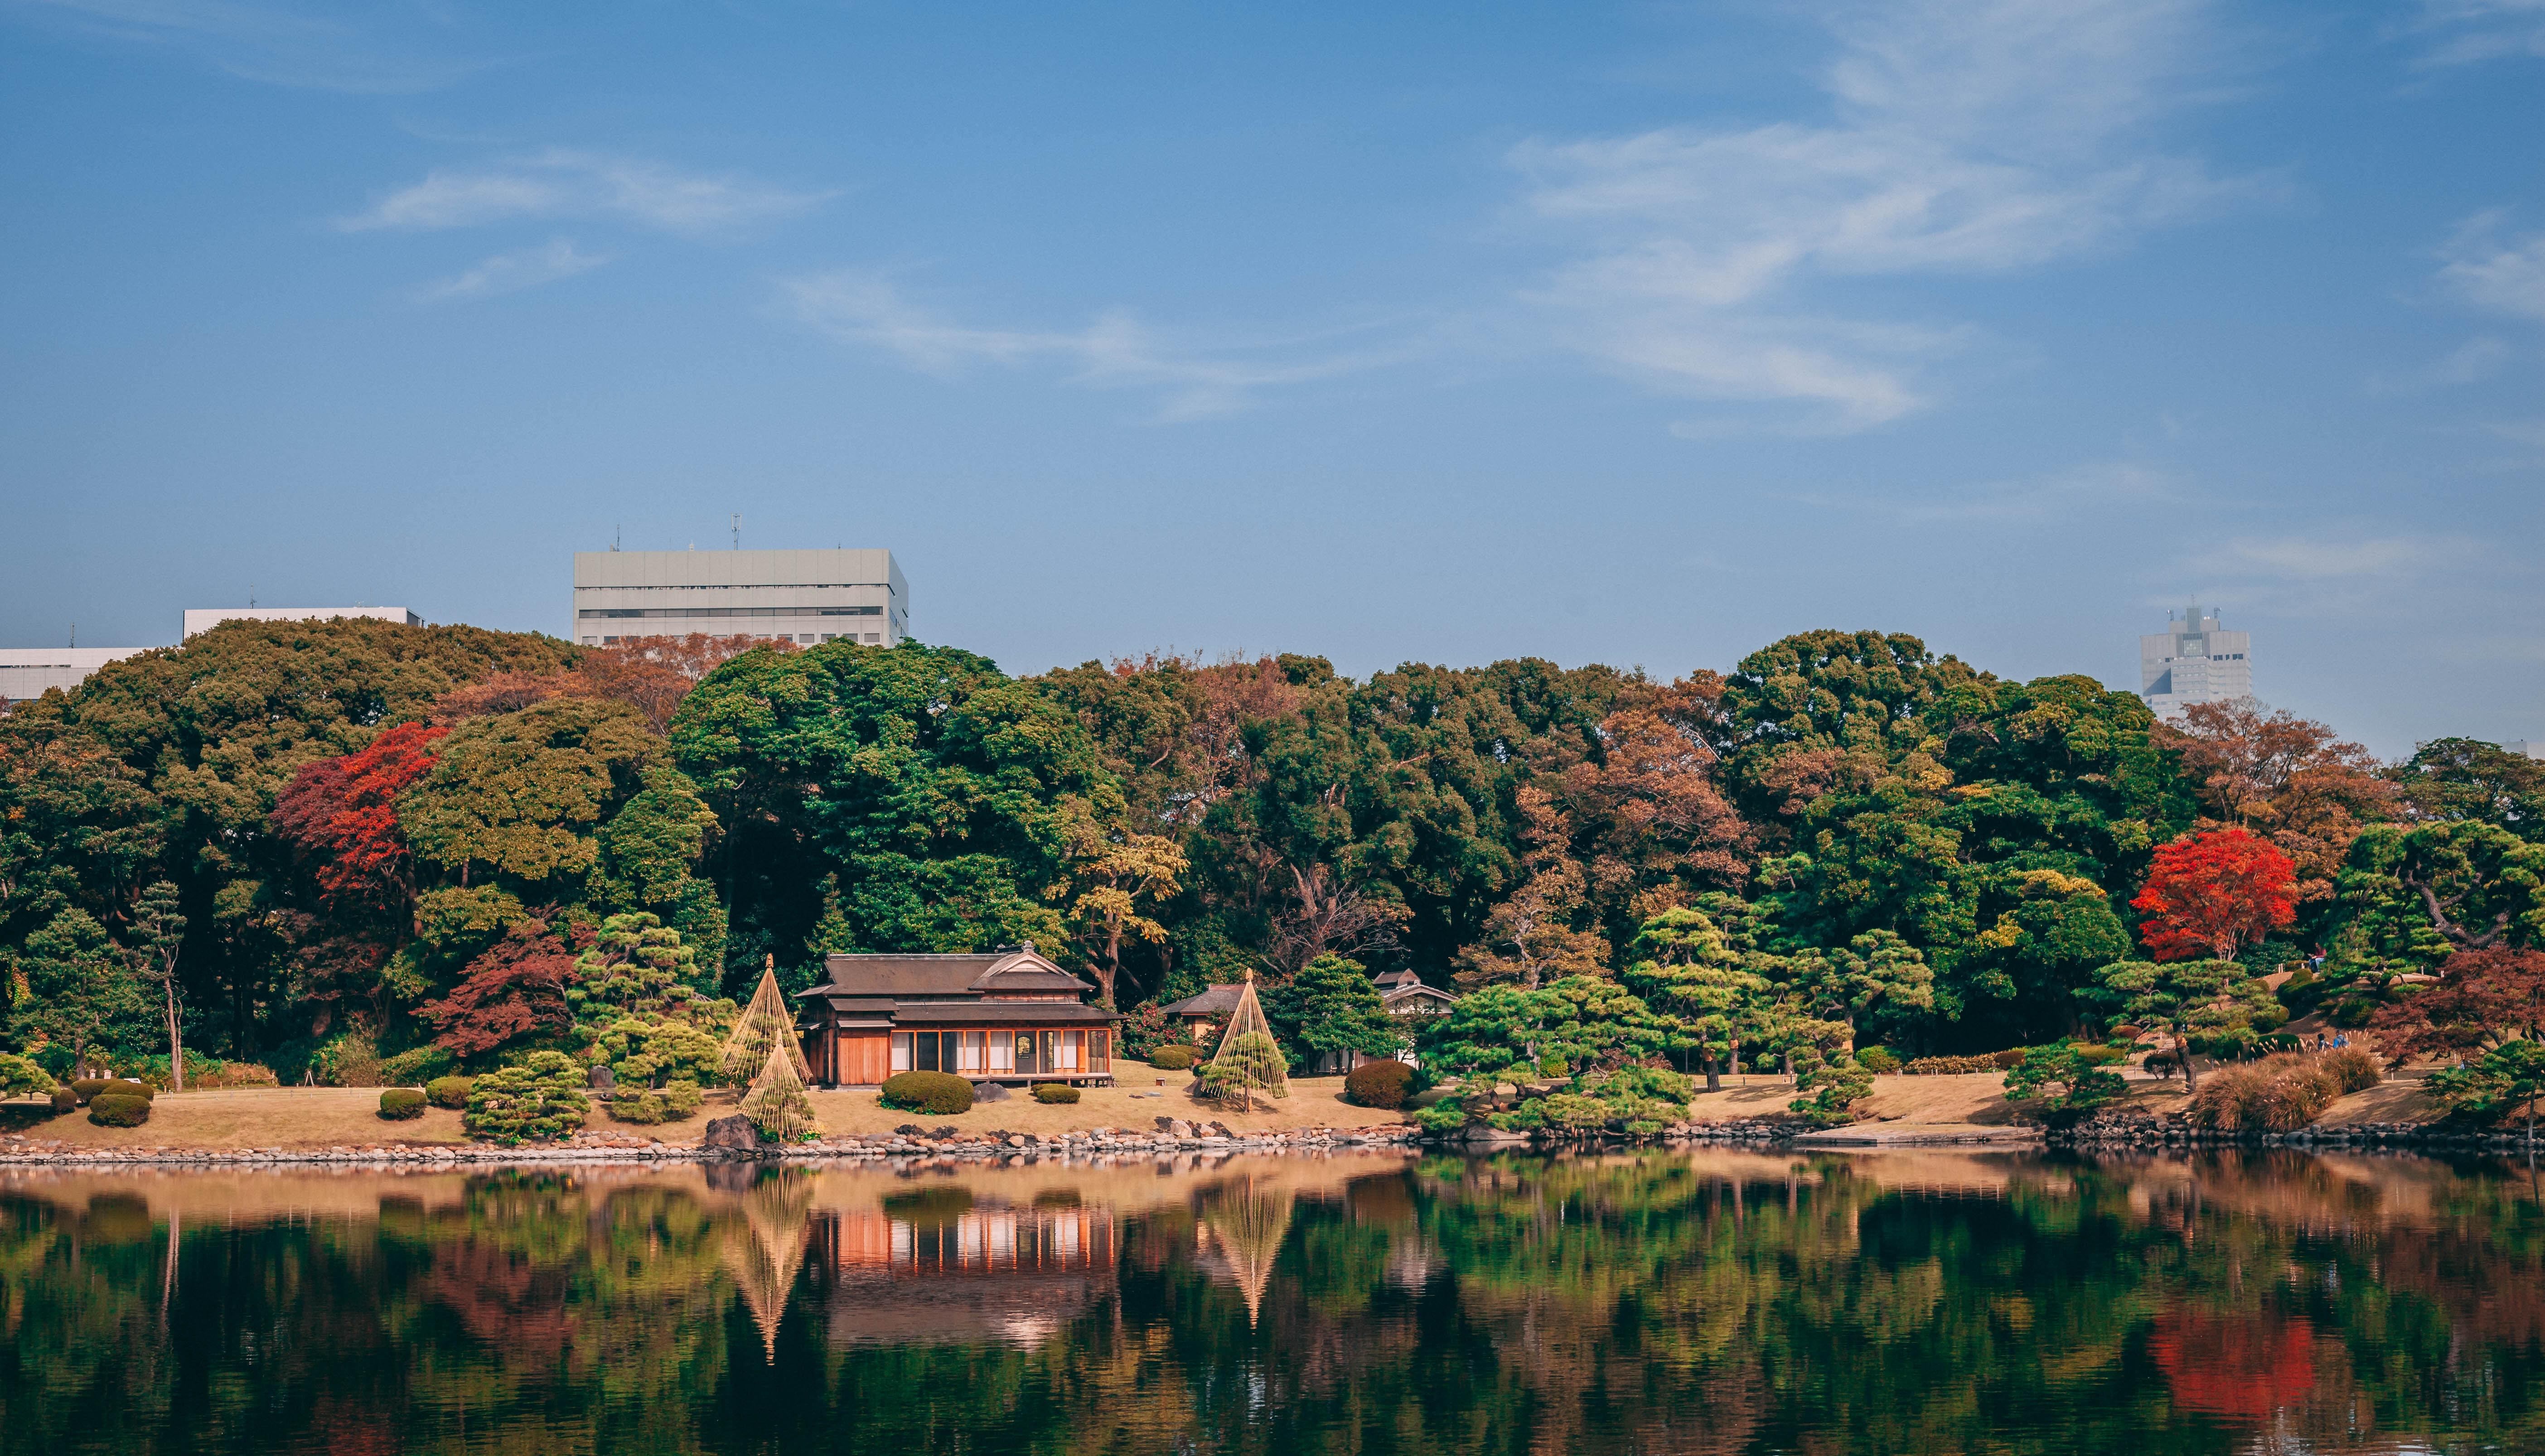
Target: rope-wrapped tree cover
776, 1103
1248, 1062
767, 1023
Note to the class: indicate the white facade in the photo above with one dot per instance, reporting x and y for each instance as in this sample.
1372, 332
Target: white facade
25, 672
803, 597
205, 618
2193, 661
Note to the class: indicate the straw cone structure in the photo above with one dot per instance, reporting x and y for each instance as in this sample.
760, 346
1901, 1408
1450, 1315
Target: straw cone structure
768, 1022
1248, 1062
1240, 1236
776, 1103
766, 1252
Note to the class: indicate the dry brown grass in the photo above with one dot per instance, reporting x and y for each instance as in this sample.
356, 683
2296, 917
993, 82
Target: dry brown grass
248, 1117
2280, 1094
1314, 1101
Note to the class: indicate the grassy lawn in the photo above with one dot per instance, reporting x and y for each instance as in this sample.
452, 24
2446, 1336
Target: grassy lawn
1314, 1101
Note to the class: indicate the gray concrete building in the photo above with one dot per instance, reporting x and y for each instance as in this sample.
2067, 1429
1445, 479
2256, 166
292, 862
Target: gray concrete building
2193, 660
805, 596
205, 618
25, 672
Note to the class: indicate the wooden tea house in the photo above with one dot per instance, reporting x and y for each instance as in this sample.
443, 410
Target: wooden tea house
1003, 1016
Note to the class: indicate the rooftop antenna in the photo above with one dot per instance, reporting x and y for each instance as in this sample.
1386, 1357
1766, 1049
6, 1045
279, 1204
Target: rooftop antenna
250, 596
75, 634
737, 530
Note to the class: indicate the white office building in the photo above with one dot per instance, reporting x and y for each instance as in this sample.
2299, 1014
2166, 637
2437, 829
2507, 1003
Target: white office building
25, 672
205, 618
2193, 660
804, 597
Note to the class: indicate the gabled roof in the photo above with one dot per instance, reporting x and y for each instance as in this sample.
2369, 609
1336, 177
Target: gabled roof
1008, 970
1218, 1001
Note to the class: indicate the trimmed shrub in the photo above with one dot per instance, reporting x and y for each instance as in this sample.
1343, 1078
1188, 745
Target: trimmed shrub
2007, 1060
1177, 1058
540, 1099
20, 1077
673, 1102
399, 1103
1962, 1066
448, 1092
416, 1066
2096, 1054
117, 1109
1384, 1083
124, 1088
1059, 1092
939, 1092
65, 1101
85, 1088
1881, 1061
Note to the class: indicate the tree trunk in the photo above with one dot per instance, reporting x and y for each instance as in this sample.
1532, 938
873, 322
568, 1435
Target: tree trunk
176, 1046
1713, 1074
2183, 1054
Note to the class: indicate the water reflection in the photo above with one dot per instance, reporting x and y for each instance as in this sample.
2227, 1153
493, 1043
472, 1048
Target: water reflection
1704, 1302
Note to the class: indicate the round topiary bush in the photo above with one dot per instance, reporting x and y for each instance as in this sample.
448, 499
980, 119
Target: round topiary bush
1055, 1091
540, 1099
1177, 1058
1881, 1061
1381, 1084
940, 1092
85, 1088
65, 1101
126, 1087
448, 1092
399, 1103
113, 1110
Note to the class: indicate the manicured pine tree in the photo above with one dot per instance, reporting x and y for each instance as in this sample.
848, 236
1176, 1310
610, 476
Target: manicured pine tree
1249, 1060
776, 1103
767, 1023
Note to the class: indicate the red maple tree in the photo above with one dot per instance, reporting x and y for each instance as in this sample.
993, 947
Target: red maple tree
516, 988
2208, 894
343, 813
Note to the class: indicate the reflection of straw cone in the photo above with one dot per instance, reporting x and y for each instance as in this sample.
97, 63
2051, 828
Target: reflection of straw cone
765, 1250
1240, 1236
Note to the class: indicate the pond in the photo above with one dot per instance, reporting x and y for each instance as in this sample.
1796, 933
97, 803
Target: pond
1686, 1302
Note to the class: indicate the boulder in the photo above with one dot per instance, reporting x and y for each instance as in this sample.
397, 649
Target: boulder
733, 1134
602, 1078
991, 1091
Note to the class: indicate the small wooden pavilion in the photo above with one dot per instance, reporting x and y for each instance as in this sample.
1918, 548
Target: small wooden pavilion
1005, 1016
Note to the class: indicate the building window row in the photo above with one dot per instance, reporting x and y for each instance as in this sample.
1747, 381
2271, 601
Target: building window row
807, 638
590, 614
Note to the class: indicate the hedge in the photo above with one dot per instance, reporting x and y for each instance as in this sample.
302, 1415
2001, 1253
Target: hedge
2003, 1061
1881, 1061
939, 1092
1055, 1091
399, 1103
1173, 1058
1383, 1083
448, 1092
118, 1109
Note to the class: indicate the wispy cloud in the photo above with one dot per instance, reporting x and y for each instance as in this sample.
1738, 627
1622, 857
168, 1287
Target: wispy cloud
2502, 277
2470, 362
1117, 351
2058, 496
507, 272
304, 47
2468, 30
1970, 137
564, 183
2328, 558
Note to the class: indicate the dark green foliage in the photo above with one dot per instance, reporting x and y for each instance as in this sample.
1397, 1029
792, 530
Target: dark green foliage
114, 1109
1175, 1058
1836, 1086
1384, 1083
675, 1100
125, 1087
1056, 1093
1881, 1061
401, 1103
940, 1092
2076, 1076
539, 1101
2508, 1080
1331, 1007
22, 1078
448, 1092
65, 1101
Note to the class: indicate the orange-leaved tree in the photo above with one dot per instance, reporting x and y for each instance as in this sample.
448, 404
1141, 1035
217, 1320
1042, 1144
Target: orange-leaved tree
2214, 893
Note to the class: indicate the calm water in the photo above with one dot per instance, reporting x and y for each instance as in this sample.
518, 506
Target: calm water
1715, 1301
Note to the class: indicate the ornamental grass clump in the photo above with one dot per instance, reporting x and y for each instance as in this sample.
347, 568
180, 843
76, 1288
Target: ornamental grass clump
2275, 1095
939, 1092
539, 1101
402, 1103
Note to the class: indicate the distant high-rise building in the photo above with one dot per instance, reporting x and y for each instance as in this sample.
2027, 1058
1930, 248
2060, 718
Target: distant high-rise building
2193, 661
25, 672
205, 618
805, 596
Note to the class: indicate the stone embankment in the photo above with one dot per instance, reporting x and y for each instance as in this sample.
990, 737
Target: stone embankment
2108, 1132
1171, 1135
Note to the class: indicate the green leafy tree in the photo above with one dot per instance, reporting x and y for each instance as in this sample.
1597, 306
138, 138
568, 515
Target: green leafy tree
80, 991
519, 798
20, 1077
1878, 974
2081, 1085
1332, 1007
650, 851
637, 966
2509, 1078
1836, 1085
2215, 999
158, 941
2420, 893
540, 1099
2469, 780
1691, 970
1248, 1064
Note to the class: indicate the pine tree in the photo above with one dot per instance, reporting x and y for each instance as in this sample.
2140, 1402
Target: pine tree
1249, 1060
776, 1103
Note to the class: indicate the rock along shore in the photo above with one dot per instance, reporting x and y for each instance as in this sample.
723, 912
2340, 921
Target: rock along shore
912, 1141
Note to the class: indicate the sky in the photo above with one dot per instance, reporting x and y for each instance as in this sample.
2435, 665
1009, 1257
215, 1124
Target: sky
1630, 333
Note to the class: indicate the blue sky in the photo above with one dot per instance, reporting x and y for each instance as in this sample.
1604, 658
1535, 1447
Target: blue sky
1641, 334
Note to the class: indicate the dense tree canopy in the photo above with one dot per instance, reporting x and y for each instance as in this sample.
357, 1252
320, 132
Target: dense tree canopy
413, 836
